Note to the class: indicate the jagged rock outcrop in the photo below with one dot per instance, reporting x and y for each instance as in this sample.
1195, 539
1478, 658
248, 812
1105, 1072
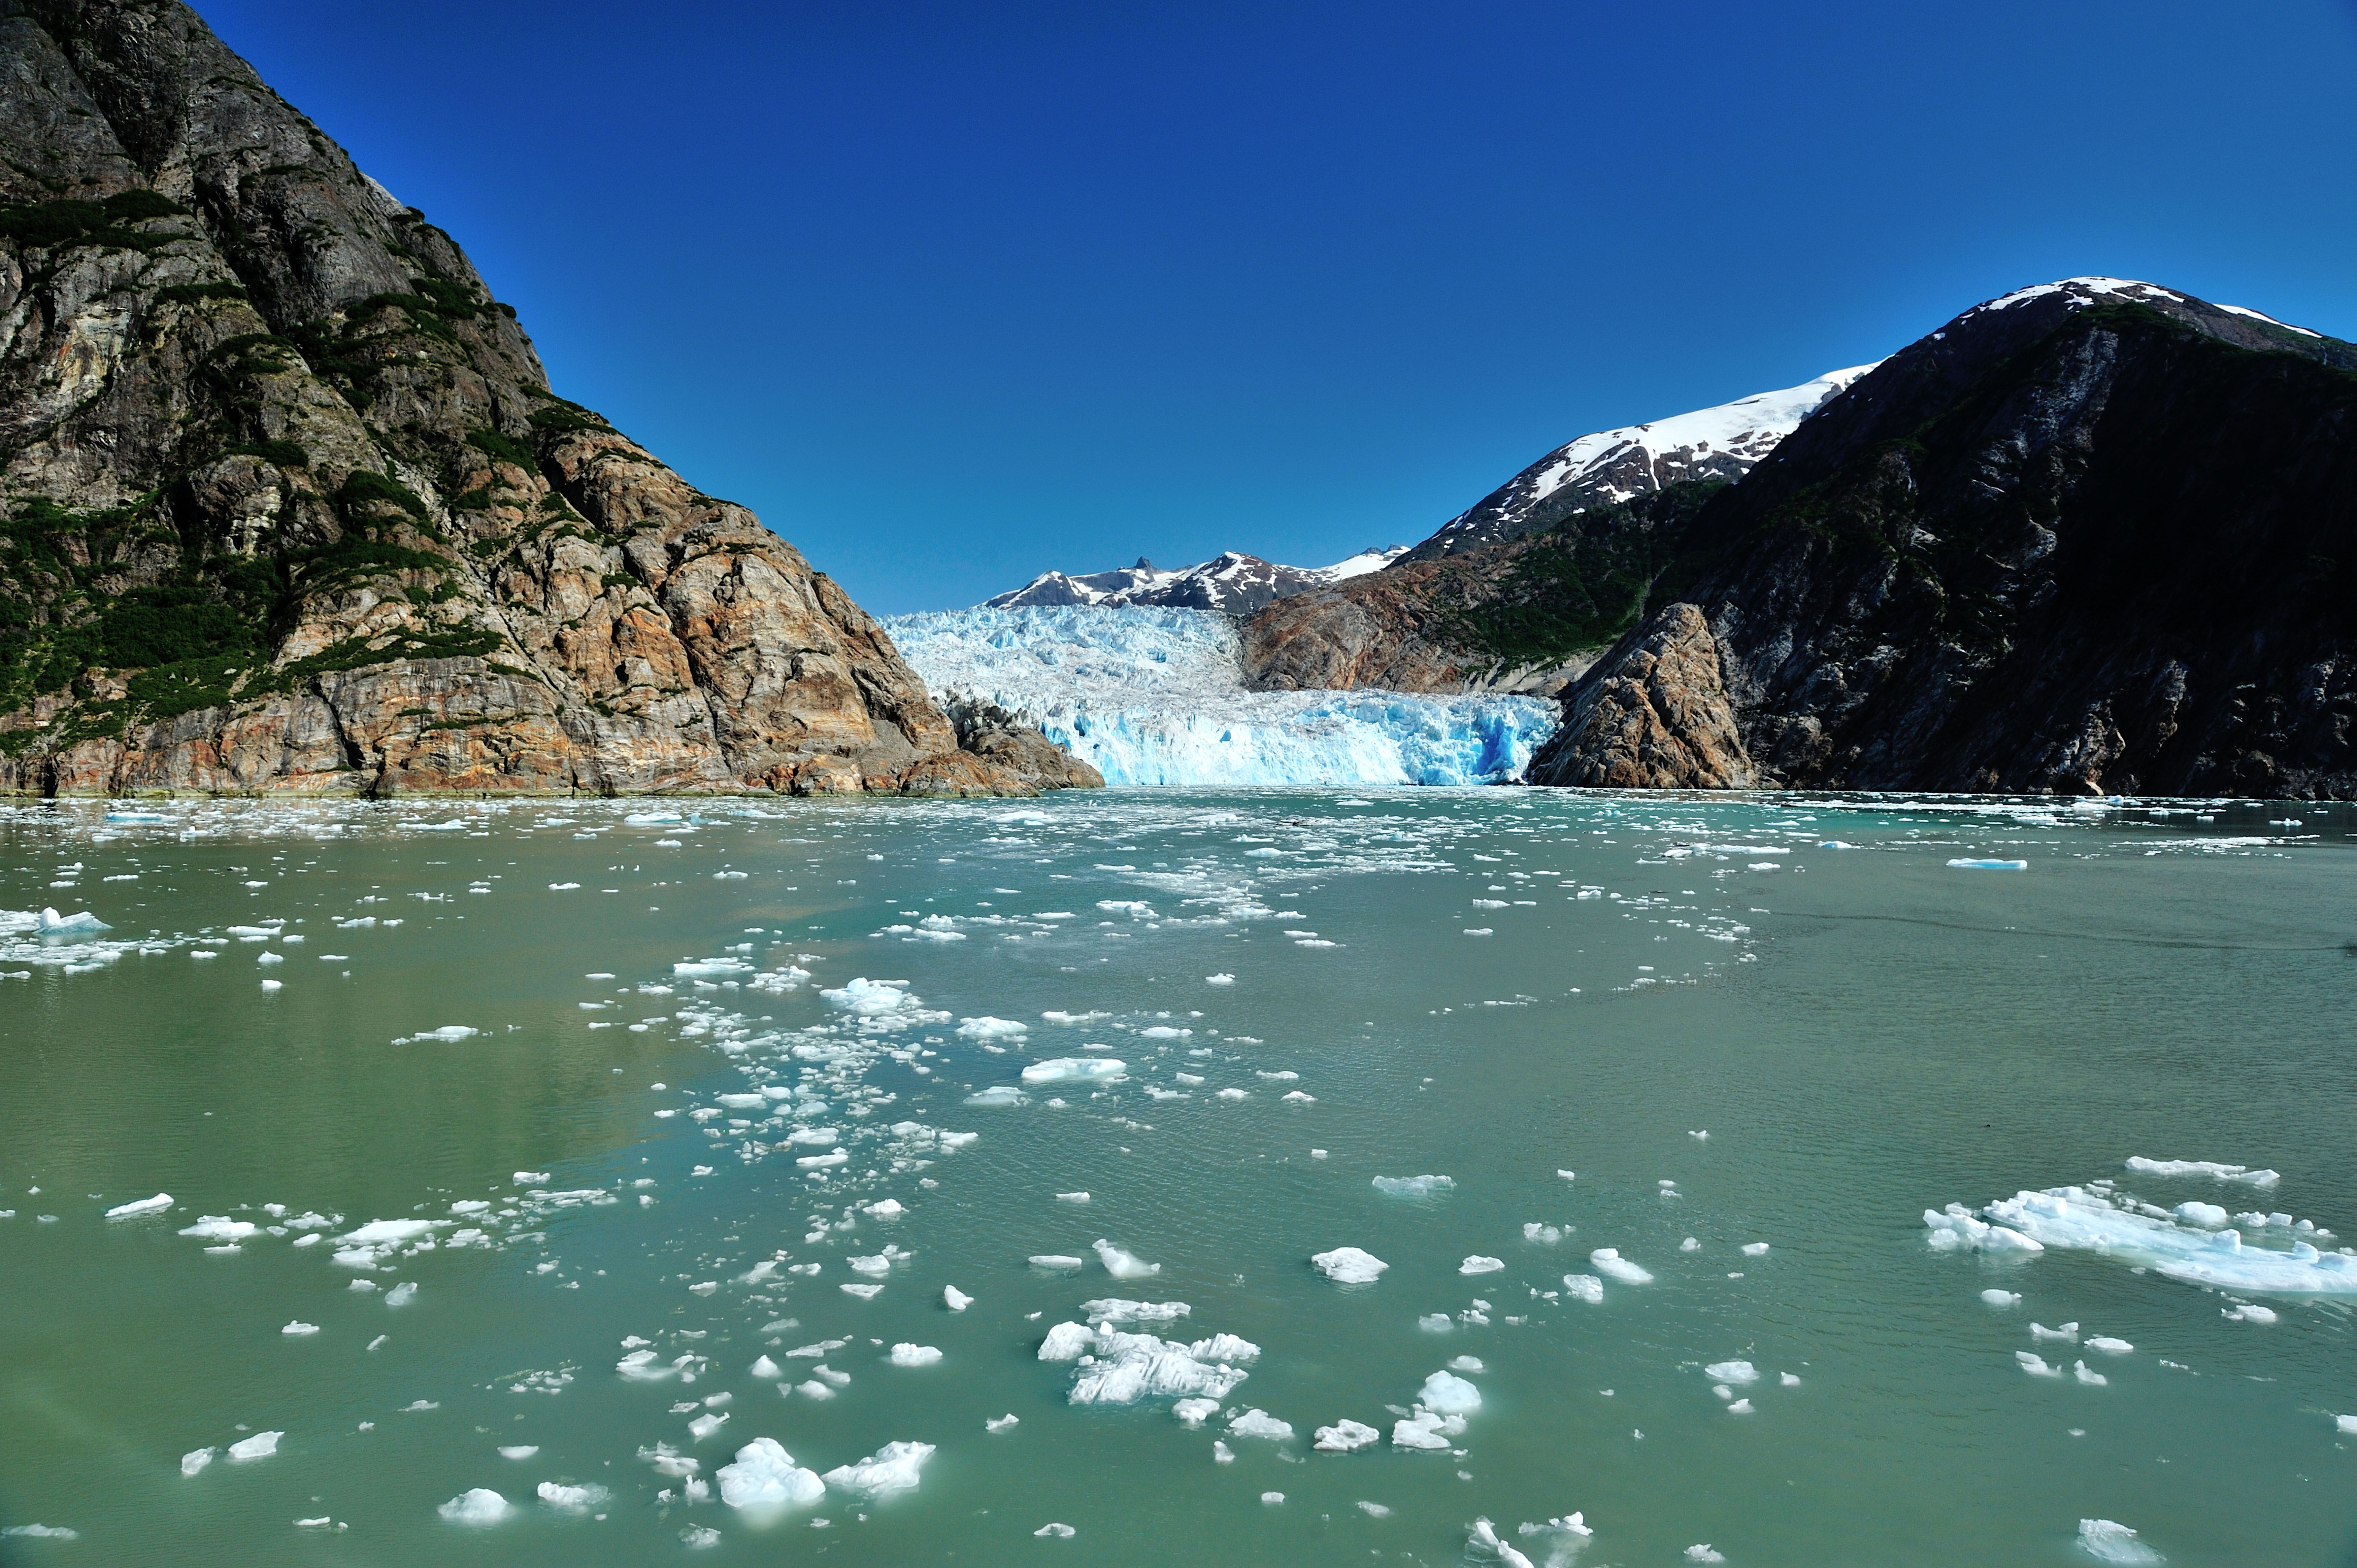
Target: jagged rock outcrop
1659, 719
2094, 537
1009, 742
289, 505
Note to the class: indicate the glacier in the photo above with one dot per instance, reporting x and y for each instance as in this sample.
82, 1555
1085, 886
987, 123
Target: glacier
1156, 697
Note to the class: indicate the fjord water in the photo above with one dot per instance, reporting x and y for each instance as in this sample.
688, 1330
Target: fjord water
1863, 1033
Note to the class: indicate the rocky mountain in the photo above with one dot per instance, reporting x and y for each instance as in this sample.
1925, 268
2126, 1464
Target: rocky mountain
1520, 591
1231, 582
2094, 537
289, 505
1610, 466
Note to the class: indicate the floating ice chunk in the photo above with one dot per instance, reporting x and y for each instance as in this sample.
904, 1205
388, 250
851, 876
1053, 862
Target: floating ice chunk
1349, 1265
1755, 1249
2244, 1312
1260, 1423
43, 1531
765, 1476
402, 1294
1689, 1245
1449, 1394
2094, 1380
1272, 1498
261, 1446
155, 1205
2242, 1173
520, 1451
1066, 1342
891, 1469
1789, 1380
997, 1424
574, 1499
2109, 1346
194, 1460
2107, 1541
1958, 1227
49, 922
299, 1328
1413, 1187
2036, 1364
989, 1028
1701, 1552
1057, 1261
1423, 1430
766, 1369
1072, 1198
1110, 1309
1346, 1436
1544, 1235
864, 1292
1740, 1407
1608, 1261
2040, 1331
2347, 1424
477, 1506
955, 1299
704, 1425
1968, 865
2073, 1217
907, 1354
1056, 1532
2001, 1297
1732, 1372
1076, 1069
1584, 1287
2208, 1215
1434, 1323
1478, 1264
1195, 1411
1122, 1264
1219, 979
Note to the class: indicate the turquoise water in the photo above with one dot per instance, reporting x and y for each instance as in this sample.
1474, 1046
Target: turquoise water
1863, 1033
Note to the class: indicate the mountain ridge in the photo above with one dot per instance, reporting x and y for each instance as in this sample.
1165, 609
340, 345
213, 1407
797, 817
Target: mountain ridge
290, 506
1231, 582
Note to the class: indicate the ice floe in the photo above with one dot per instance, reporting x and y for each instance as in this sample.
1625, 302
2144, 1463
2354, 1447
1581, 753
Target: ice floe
475, 1506
1608, 1260
2107, 1541
891, 1469
2081, 1219
1413, 1187
1349, 1265
765, 1476
1347, 1436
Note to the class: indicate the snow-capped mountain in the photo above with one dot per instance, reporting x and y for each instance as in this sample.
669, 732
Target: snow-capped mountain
1611, 466
1234, 583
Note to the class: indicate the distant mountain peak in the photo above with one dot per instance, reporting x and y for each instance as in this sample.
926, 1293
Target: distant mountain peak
1231, 582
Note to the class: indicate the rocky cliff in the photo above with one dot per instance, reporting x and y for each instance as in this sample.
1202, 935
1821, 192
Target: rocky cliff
2094, 537
289, 505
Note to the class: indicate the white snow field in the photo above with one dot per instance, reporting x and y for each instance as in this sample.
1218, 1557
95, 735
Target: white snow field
1156, 697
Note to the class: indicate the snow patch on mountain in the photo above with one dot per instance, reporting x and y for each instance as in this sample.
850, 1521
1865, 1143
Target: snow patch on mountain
1232, 582
1614, 466
1154, 695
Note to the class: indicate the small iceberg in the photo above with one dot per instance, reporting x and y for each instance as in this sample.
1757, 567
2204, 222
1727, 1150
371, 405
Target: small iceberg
1969, 865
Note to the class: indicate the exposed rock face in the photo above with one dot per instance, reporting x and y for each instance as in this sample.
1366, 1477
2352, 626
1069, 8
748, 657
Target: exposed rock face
1397, 629
1658, 719
289, 505
1009, 742
2094, 537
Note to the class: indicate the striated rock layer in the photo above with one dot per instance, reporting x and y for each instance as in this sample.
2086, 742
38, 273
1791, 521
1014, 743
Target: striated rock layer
290, 506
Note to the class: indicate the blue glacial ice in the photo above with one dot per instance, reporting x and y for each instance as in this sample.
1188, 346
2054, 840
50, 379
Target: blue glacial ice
1156, 697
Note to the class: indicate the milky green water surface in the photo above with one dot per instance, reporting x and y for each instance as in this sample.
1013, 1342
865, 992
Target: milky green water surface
1864, 1032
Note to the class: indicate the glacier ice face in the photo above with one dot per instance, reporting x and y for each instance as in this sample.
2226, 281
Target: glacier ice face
1156, 697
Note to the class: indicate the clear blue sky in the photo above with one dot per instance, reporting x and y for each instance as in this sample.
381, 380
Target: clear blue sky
950, 294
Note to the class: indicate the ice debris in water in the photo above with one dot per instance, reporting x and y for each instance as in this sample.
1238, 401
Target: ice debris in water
477, 1505
2002, 1297
1969, 864
1478, 1264
2080, 1218
520, 1451
1346, 1436
1349, 1265
2242, 1173
1001, 1422
1115, 1366
1413, 1187
1260, 1423
1120, 1265
573, 1500
1701, 1552
2108, 1344
154, 1205
261, 1446
2036, 1364
909, 1355
2108, 1541
1608, 1261
1732, 1372
1449, 1394
1054, 1530
766, 1476
988, 1028
2248, 1312
891, 1469
955, 1299
1584, 1287
1113, 1309
1058, 1261
1075, 1069
996, 1095
194, 1460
